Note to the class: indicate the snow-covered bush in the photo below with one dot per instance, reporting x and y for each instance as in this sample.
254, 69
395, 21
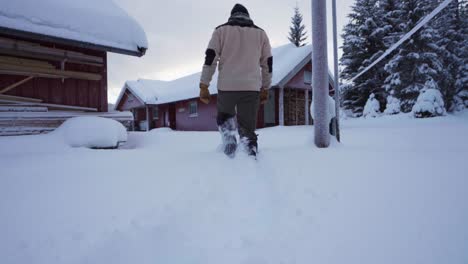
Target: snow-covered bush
331, 109
429, 104
458, 104
92, 132
393, 105
372, 107
463, 99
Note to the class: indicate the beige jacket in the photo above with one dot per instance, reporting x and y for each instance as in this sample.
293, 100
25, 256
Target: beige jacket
243, 53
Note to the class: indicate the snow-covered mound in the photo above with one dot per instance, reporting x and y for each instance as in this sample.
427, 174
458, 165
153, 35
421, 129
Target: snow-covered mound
429, 104
372, 107
92, 132
393, 106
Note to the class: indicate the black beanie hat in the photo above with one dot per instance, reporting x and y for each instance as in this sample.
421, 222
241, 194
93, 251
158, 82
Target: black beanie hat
238, 8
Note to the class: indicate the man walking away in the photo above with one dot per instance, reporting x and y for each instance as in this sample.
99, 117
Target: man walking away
243, 52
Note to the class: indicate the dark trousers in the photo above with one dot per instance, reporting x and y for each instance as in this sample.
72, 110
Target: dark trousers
246, 103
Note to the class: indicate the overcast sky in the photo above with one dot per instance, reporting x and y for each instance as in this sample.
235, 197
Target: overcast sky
178, 32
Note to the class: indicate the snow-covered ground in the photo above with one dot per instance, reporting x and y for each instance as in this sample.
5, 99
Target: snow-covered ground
395, 191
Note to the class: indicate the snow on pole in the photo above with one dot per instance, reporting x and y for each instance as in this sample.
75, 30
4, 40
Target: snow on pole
281, 106
405, 37
337, 83
320, 73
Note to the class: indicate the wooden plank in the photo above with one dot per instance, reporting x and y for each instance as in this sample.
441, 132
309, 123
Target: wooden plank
12, 86
26, 62
48, 57
52, 106
6, 101
19, 98
33, 71
22, 108
67, 107
10, 44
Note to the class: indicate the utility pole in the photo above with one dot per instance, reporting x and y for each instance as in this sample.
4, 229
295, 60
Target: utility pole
336, 81
320, 73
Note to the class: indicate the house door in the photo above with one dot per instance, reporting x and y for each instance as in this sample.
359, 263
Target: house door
269, 110
167, 123
172, 116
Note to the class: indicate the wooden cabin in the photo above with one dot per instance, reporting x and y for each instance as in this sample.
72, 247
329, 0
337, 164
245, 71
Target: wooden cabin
176, 105
54, 66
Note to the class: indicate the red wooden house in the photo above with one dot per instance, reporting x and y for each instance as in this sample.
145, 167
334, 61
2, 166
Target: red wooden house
53, 60
175, 104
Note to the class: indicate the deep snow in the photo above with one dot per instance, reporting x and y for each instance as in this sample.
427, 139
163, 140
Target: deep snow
394, 191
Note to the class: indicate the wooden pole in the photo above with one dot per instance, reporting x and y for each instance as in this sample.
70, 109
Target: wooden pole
320, 73
8, 88
281, 106
337, 83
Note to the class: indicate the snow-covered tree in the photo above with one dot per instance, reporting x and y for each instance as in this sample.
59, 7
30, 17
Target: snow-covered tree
429, 102
297, 33
453, 52
363, 43
462, 79
393, 105
416, 60
372, 107
391, 18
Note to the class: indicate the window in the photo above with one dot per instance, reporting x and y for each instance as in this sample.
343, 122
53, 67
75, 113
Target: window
193, 109
308, 77
155, 113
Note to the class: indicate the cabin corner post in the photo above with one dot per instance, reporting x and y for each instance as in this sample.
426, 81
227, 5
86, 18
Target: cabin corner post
306, 107
147, 119
281, 106
320, 83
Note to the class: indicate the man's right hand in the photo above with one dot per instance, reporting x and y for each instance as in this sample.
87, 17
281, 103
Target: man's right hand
204, 93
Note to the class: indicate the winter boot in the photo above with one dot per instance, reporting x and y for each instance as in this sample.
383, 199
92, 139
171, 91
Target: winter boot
250, 146
228, 136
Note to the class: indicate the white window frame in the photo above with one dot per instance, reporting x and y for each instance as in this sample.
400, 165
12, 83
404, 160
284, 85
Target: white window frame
190, 105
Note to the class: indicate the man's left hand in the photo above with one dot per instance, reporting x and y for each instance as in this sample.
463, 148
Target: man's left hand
263, 95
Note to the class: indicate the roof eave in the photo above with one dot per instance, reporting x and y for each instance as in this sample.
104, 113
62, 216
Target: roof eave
76, 43
293, 73
121, 94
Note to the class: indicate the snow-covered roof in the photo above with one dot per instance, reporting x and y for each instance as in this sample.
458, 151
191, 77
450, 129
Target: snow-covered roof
101, 23
286, 58
287, 61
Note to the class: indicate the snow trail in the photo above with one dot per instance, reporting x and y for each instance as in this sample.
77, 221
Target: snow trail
397, 196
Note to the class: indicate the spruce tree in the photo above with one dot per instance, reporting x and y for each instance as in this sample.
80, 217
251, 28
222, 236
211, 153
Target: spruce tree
453, 52
391, 17
462, 78
297, 33
363, 44
417, 59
